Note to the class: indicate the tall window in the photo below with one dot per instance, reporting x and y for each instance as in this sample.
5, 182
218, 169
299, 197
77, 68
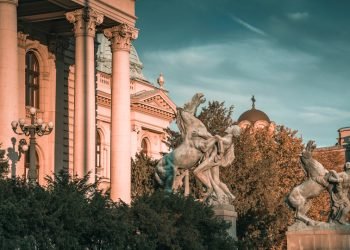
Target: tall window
98, 154
144, 146
32, 80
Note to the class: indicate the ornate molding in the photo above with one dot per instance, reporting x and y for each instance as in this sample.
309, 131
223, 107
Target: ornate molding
85, 21
121, 36
21, 39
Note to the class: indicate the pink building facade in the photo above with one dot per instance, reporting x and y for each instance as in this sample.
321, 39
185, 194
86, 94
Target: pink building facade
73, 60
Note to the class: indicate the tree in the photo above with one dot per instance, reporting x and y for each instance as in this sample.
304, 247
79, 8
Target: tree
142, 175
171, 221
70, 213
265, 170
216, 117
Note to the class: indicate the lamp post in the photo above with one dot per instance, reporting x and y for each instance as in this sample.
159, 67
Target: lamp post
36, 127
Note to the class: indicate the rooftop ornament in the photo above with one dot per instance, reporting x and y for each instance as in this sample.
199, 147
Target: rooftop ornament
161, 80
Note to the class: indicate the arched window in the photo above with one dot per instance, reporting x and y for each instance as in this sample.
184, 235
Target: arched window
98, 152
144, 146
32, 80
27, 163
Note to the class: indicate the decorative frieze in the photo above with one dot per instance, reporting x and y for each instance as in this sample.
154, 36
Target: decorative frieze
104, 101
121, 36
85, 21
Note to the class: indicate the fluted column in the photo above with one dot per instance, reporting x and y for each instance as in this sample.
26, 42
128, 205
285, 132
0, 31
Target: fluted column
120, 37
9, 89
84, 145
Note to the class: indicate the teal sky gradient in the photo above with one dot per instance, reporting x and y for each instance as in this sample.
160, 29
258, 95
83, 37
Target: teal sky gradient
293, 55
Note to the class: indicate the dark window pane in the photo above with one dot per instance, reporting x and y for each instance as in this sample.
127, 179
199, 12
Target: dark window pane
32, 80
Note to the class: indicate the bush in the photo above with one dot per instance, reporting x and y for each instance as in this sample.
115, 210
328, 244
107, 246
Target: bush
72, 214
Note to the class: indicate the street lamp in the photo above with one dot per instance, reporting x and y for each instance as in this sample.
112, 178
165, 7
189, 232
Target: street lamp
36, 127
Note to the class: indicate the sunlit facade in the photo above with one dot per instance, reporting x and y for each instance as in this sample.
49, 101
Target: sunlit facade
73, 61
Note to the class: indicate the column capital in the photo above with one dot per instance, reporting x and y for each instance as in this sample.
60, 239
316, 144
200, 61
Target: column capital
121, 36
15, 2
21, 39
85, 21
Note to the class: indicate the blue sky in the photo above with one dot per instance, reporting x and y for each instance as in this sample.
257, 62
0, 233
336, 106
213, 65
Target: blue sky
293, 55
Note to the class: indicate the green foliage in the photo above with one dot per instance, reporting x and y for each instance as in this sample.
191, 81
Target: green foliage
70, 213
173, 138
142, 175
175, 222
216, 117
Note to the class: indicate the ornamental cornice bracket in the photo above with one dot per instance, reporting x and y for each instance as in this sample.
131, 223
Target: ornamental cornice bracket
121, 36
85, 21
22, 39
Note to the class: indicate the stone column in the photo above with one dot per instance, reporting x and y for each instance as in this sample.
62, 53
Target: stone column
120, 37
9, 87
84, 154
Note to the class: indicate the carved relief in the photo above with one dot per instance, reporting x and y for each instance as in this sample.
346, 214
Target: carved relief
85, 21
121, 36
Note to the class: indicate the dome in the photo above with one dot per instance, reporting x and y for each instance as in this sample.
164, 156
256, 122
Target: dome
254, 114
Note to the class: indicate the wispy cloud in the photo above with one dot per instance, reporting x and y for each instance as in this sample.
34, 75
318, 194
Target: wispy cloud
249, 26
298, 16
284, 81
318, 114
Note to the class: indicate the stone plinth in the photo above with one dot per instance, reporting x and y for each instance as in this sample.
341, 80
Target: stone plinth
325, 236
228, 214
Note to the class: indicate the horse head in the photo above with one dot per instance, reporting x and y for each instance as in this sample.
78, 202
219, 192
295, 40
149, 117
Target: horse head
191, 106
311, 166
187, 123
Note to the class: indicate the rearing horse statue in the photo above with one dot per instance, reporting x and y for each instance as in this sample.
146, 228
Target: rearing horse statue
317, 182
190, 151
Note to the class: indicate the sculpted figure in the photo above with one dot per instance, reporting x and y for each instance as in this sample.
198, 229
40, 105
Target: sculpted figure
316, 183
199, 150
339, 195
189, 152
219, 153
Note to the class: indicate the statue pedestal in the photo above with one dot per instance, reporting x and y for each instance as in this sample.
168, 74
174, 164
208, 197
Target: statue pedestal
325, 236
228, 214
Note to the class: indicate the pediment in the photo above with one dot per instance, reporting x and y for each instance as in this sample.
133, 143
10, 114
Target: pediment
154, 101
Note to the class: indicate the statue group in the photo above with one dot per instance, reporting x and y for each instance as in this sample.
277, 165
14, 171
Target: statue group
318, 180
204, 154
201, 152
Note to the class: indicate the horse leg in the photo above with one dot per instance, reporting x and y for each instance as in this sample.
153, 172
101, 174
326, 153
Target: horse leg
170, 172
299, 203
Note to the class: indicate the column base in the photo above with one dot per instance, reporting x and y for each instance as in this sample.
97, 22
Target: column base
228, 214
324, 236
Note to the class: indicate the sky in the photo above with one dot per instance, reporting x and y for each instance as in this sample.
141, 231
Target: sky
293, 55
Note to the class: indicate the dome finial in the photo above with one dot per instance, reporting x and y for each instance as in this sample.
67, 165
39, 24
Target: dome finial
253, 102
